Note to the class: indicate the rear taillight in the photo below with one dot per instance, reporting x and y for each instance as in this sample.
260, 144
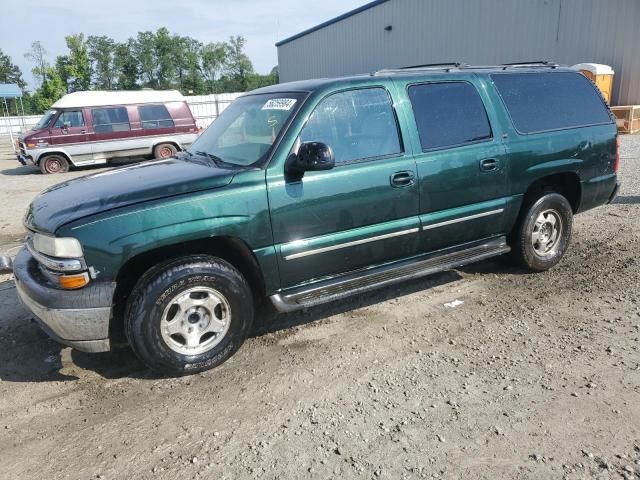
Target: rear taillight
616, 164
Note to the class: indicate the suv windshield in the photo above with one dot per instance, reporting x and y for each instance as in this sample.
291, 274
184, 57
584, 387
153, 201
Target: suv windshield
247, 129
45, 120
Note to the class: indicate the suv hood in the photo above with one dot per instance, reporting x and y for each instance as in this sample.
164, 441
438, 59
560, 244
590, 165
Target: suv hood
120, 187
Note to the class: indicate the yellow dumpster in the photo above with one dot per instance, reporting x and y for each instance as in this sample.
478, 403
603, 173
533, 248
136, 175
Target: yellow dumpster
601, 75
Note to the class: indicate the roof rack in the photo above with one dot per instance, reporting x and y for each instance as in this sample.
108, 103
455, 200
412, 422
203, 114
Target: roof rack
533, 64
427, 66
447, 67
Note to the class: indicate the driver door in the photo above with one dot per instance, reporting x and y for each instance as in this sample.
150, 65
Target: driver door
69, 130
362, 212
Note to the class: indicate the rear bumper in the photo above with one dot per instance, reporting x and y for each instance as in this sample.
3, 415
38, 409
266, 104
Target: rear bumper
77, 318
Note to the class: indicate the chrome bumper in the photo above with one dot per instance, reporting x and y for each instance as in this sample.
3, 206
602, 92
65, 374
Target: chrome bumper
78, 318
24, 159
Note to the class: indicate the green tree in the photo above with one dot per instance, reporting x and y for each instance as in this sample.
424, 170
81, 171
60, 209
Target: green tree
9, 72
238, 67
188, 53
38, 56
214, 57
166, 51
77, 67
101, 51
52, 88
144, 53
125, 65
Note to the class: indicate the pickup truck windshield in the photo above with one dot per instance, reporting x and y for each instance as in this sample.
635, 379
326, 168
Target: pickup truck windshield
246, 130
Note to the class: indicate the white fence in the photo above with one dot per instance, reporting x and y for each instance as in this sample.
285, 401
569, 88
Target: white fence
205, 109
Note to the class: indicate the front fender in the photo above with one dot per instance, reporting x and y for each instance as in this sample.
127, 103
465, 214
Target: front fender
240, 210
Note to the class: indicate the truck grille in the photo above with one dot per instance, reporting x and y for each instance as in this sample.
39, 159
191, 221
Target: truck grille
22, 148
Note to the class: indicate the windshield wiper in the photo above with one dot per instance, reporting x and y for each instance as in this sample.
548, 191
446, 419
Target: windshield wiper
219, 162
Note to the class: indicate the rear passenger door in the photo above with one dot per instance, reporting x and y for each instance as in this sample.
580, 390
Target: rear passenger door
112, 131
461, 162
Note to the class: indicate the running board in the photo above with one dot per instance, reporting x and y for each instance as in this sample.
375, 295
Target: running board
371, 278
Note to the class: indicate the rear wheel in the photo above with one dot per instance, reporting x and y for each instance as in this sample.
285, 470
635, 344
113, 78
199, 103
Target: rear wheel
54, 164
543, 232
164, 150
189, 315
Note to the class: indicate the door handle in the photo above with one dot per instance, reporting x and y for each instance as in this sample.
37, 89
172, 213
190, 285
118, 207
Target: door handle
83, 131
402, 179
489, 165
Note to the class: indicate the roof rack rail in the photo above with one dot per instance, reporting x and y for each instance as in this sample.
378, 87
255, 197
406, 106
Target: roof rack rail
534, 64
427, 66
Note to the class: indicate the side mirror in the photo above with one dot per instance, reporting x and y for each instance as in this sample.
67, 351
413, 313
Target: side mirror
311, 157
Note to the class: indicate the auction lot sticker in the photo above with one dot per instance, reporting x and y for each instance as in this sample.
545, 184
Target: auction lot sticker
279, 104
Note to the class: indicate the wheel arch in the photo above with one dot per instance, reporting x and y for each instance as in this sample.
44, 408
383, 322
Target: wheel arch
170, 141
49, 153
565, 183
232, 249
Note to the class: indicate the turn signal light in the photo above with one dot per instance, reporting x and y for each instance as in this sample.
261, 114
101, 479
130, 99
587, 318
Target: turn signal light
72, 282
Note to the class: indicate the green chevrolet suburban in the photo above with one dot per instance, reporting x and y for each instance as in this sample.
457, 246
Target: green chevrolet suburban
308, 192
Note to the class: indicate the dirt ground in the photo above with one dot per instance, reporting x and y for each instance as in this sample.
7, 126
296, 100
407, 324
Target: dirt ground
531, 377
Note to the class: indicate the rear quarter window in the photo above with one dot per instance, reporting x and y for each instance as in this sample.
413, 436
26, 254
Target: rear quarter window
540, 102
154, 116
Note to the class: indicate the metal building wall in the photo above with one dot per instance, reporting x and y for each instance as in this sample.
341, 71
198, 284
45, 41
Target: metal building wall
477, 32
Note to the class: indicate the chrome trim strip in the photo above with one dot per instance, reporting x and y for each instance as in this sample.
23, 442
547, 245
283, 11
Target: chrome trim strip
56, 264
347, 244
462, 219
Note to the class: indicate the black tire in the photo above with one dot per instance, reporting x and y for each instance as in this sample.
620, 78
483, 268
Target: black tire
54, 164
160, 286
552, 208
164, 150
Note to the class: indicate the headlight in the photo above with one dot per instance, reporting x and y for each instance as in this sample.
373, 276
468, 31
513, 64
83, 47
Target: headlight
57, 247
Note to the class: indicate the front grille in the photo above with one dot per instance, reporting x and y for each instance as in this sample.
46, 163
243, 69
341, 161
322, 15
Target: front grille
22, 148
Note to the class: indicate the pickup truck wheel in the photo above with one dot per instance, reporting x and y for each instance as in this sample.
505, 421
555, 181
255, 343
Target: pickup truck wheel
54, 164
543, 232
189, 315
164, 150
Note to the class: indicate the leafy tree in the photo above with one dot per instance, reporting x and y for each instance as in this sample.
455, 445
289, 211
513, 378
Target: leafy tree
38, 56
125, 65
144, 52
238, 66
101, 51
9, 72
52, 88
76, 65
213, 62
188, 53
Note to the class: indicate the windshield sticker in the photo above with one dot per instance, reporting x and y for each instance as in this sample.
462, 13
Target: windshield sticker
279, 104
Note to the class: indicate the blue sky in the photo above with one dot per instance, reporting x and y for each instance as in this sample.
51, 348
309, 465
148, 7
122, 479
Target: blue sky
262, 23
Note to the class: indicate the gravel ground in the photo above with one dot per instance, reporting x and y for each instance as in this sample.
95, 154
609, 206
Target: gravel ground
532, 376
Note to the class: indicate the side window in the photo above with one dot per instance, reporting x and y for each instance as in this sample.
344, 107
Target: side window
155, 116
110, 119
448, 114
357, 124
539, 102
73, 118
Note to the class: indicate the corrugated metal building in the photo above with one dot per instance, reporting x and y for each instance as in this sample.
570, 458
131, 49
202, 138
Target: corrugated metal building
396, 33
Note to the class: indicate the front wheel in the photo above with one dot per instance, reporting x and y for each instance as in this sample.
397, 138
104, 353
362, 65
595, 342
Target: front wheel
54, 164
543, 232
189, 315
